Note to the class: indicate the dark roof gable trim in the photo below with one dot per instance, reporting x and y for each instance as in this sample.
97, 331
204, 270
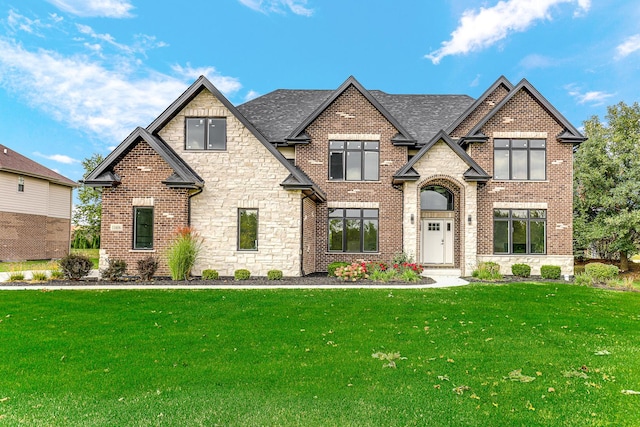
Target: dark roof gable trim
474, 173
183, 176
569, 134
204, 83
403, 137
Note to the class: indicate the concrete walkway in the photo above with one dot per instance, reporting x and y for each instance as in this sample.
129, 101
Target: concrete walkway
440, 282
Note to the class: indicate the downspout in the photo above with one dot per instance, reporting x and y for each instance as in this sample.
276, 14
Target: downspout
200, 190
302, 235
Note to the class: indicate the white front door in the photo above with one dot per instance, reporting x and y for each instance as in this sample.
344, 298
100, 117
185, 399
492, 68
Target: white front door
437, 241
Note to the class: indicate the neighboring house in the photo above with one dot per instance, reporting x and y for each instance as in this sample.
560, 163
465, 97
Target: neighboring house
296, 179
35, 209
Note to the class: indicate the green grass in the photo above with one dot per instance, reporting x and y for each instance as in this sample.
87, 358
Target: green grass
6, 267
304, 357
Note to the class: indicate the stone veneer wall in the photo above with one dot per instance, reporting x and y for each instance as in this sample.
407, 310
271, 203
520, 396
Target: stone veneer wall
430, 167
351, 116
142, 171
33, 237
245, 175
309, 236
524, 117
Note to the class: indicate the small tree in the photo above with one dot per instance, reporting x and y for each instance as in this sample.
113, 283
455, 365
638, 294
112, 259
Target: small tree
607, 185
88, 213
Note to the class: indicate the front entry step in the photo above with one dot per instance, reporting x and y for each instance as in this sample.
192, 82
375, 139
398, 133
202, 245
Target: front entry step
451, 272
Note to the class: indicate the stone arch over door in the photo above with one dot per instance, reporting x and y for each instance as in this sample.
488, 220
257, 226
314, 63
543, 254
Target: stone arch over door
437, 218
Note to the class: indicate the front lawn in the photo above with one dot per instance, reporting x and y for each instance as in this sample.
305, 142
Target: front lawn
500, 355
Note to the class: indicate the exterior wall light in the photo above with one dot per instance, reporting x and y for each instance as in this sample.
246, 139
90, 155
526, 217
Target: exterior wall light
469, 220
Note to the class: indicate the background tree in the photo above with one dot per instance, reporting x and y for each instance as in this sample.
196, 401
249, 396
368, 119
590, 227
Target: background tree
607, 185
88, 212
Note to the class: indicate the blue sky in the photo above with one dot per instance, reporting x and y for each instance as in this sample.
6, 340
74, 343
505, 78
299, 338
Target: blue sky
77, 76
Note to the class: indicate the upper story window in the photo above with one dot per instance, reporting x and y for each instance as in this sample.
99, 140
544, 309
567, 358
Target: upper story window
21, 184
436, 198
520, 159
354, 160
206, 133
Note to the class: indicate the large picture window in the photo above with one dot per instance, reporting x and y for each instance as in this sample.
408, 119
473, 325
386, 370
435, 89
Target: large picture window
206, 133
354, 160
520, 159
143, 228
519, 231
248, 229
353, 230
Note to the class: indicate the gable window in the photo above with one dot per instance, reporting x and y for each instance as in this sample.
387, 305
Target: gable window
519, 231
142, 228
206, 133
21, 184
247, 229
436, 198
520, 159
354, 160
353, 230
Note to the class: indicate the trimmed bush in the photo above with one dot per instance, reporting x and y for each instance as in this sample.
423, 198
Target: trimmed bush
274, 275
147, 268
209, 274
601, 272
242, 274
550, 272
75, 267
521, 270
331, 268
115, 270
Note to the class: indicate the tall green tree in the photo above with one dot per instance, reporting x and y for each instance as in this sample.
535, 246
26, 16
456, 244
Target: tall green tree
607, 184
88, 213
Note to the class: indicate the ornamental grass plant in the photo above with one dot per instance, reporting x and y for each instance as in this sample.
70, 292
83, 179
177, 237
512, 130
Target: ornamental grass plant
183, 253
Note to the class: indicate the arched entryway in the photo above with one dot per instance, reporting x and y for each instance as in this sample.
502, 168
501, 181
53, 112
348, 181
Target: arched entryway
439, 223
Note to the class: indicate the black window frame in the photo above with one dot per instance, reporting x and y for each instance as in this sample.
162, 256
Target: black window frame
205, 143
345, 150
436, 189
364, 214
21, 184
528, 149
509, 220
134, 243
256, 243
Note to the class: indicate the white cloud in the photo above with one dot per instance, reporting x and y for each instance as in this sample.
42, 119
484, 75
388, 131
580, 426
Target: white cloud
594, 97
225, 84
535, 60
18, 22
95, 8
630, 45
141, 45
60, 158
479, 29
252, 94
299, 7
101, 98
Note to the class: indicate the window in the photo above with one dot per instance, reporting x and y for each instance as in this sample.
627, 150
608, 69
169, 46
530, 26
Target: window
519, 231
354, 160
436, 198
143, 228
206, 133
248, 229
21, 184
519, 159
353, 230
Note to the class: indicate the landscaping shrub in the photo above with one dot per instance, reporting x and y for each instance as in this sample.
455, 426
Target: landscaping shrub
147, 267
583, 279
274, 275
16, 277
183, 252
57, 275
402, 258
600, 272
331, 268
487, 271
550, 272
521, 270
75, 267
39, 276
354, 271
242, 274
410, 275
209, 274
115, 270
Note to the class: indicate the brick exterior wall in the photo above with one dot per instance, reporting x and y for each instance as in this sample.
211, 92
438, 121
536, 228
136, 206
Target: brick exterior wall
142, 171
352, 114
481, 111
522, 115
33, 237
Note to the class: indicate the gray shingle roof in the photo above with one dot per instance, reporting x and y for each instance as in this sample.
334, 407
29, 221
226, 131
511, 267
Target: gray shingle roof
278, 113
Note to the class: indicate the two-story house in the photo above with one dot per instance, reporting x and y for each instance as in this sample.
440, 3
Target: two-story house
297, 179
35, 209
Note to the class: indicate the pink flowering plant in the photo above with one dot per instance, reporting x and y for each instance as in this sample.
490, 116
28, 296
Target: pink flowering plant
353, 272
